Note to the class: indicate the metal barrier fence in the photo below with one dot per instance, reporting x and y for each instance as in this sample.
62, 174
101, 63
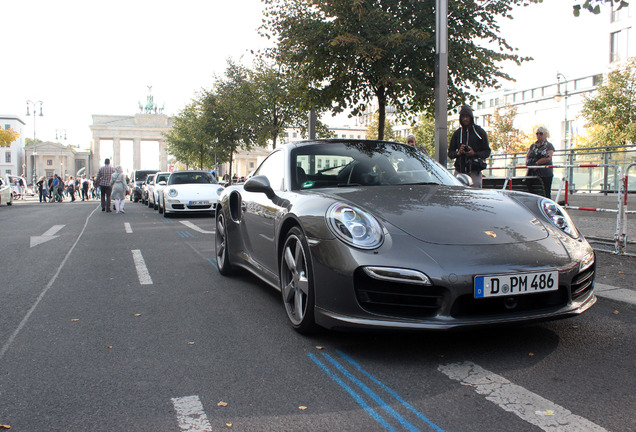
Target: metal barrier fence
574, 165
620, 237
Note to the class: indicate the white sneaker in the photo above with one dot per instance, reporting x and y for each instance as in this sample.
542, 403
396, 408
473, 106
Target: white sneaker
123, 211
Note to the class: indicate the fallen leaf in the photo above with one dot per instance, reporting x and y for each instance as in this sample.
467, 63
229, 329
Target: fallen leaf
190, 343
137, 315
616, 312
109, 346
222, 404
75, 320
302, 408
228, 424
621, 272
320, 348
5, 426
575, 326
530, 354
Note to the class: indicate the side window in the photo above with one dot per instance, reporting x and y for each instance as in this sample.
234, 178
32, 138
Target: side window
274, 169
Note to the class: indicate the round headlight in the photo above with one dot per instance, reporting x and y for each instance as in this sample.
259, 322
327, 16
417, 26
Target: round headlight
354, 226
172, 193
558, 216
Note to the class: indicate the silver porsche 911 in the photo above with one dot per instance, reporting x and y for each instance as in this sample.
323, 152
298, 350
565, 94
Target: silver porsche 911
371, 234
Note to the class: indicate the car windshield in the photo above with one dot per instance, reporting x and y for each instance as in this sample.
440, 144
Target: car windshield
141, 175
191, 177
162, 177
365, 163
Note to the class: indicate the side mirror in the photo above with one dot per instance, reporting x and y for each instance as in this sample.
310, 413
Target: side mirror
464, 179
162, 183
259, 184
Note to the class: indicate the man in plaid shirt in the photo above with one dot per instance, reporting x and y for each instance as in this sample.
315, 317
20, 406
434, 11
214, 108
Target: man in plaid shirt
103, 182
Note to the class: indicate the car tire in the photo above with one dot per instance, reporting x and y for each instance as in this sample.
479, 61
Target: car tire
155, 205
160, 208
297, 282
221, 246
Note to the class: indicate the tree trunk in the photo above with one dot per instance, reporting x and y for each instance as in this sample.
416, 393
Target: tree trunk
381, 95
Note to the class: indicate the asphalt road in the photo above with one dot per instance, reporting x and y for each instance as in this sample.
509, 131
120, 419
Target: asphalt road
90, 341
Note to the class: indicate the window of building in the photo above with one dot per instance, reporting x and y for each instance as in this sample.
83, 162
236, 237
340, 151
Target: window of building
597, 80
7, 157
7, 126
619, 47
49, 162
295, 135
251, 165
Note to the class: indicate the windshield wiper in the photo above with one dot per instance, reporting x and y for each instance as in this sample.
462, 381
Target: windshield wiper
422, 183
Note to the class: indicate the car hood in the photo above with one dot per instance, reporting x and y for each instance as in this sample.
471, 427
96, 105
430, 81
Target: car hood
195, 188
449, 215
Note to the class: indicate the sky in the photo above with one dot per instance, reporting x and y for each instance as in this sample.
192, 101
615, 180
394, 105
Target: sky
85, 57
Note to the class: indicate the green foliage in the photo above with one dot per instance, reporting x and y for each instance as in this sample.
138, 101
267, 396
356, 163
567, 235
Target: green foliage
594, 6
504, 137
611, 113
7, 136
350, 52
372, 131
424, 131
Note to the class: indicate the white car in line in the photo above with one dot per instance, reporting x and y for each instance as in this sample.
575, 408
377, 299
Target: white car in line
160, 181
189, 191
6, 197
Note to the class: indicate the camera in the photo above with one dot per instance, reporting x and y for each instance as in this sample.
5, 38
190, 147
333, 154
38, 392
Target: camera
465, 148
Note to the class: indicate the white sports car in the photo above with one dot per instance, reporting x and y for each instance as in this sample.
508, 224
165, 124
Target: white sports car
189, 191
5, 191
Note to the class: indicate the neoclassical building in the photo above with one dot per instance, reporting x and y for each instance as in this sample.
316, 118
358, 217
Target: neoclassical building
55, 158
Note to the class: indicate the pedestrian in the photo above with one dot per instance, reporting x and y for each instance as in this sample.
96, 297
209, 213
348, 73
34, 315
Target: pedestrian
85, 186
103, 183
71, 188
469, 147
540, 153
55, 188
42, 188
119, 185
412, 141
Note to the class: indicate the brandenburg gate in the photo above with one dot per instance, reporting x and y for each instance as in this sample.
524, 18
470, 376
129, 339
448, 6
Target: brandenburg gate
137, 128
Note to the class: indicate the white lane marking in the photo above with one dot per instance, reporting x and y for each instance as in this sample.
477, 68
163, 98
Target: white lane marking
615, 293
128, 228
48, 235
196, 228
513, 398
142, 270
9, 341
190, 414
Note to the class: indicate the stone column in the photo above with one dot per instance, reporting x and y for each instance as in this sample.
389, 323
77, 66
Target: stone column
116, 152
95, 162
136, 153
163, 156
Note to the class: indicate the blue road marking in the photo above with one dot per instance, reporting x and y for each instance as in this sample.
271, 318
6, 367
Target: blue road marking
386, 407
392, 393
377, 417
213, 263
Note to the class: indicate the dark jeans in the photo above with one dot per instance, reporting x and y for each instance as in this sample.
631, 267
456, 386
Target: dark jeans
42, 195
105, 193
547, 186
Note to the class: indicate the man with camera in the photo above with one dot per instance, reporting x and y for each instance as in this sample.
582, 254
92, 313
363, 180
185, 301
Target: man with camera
469, 147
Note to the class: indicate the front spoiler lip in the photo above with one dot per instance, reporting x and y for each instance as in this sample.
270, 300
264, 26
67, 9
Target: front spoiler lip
332, 320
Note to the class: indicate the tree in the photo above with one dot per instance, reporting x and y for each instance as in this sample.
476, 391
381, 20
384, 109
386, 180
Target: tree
504, 137
594, 6
613, 109
353, 51
372, 131
187, 140
7, 136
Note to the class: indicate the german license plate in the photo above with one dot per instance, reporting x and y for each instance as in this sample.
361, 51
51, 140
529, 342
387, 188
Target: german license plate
515, 284
197, 203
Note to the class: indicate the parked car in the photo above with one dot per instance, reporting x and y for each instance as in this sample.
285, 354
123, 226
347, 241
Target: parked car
136, 180
189, 191
6, 196
161, 179
372, 234
145, 188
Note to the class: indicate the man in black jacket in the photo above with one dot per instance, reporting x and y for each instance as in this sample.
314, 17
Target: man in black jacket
468, 143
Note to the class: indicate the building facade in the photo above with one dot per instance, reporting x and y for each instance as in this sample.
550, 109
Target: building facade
56, 158
12, 158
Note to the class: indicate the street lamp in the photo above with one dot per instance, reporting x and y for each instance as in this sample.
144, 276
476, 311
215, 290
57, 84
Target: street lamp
558, 98
35, 153
61, 134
